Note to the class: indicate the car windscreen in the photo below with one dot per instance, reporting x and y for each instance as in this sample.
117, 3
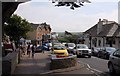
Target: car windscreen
109, 49
71, 45
59, 47
39, 47
82, 46
96, 49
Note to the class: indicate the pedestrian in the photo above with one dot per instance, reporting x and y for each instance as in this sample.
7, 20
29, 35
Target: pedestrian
43, 48
24, 48
28, 50
33, 50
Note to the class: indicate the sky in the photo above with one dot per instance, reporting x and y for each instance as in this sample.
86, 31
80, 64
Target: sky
64, 19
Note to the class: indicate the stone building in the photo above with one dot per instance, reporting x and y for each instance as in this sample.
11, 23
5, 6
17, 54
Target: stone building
104, 33
41, 32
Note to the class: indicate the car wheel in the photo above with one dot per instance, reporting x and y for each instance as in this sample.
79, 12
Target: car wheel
111, 68
98, 55
74, 54
89, 56
78, 56
106, 57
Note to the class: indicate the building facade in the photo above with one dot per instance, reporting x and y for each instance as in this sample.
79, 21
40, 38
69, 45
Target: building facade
41, 33
104, 33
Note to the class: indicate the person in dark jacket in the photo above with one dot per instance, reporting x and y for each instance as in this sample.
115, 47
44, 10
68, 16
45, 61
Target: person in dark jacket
28, 50
33, 50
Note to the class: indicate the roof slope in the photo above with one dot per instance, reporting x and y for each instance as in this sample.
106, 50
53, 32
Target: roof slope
111, 29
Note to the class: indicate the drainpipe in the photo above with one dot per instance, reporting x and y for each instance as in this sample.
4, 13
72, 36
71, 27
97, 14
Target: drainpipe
90, 41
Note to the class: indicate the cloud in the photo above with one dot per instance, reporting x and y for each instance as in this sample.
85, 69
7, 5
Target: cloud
63, 18
104, 0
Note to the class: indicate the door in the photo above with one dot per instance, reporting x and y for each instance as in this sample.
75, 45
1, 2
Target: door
116, 60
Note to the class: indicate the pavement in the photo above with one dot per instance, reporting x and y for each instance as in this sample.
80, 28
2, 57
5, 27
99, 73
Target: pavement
39, 65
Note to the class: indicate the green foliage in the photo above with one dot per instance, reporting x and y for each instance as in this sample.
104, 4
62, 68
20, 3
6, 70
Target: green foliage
16, 27
63, 40
69, 39
72, 38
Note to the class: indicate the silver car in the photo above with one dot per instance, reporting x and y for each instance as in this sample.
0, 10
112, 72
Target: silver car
82, 50
114, 62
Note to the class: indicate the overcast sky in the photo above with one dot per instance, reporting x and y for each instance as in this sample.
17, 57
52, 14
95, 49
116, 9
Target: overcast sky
64, 19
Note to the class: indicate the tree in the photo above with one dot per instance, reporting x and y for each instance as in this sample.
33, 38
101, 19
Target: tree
16, 27
69, 38
72, 3
72, 38
63, 40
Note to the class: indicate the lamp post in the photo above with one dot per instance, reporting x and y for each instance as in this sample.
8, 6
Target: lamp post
90, 41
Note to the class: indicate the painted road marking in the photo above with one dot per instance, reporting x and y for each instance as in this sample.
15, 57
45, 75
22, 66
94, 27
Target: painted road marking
92, 68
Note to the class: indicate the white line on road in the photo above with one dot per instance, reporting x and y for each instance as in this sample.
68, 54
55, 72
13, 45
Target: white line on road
90, 67
93, 68
87, 68
92, 71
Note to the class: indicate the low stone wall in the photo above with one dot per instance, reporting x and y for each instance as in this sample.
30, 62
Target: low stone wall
60, 63
9, 63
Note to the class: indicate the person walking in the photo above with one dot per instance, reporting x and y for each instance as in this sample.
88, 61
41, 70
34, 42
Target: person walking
28, 50
33, 50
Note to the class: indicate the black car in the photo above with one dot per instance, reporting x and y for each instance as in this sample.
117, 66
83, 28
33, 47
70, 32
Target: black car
38, 49
95, 51
105, 52
114, 62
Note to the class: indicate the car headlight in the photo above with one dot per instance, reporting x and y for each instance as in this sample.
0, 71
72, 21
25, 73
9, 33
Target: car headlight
90, 51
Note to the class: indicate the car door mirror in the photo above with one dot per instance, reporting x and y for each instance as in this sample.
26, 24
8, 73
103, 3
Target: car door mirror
117, 55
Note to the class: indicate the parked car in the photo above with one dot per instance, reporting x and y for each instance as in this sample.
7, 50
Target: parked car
95, 51
105, 52
47, 46
70, 47
38, 49
58, 43
114, 62
60, 50
82, 50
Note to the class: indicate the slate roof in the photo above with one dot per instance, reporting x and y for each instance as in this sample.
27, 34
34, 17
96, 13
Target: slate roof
117, 33
34, 26
105, 30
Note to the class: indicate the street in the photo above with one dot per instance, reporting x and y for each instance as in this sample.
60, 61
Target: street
93, 66
97, 65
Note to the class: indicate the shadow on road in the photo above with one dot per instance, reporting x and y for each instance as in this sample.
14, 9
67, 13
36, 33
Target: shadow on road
108, 74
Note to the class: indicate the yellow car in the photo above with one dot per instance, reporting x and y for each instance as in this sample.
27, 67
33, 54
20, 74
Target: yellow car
60, 50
